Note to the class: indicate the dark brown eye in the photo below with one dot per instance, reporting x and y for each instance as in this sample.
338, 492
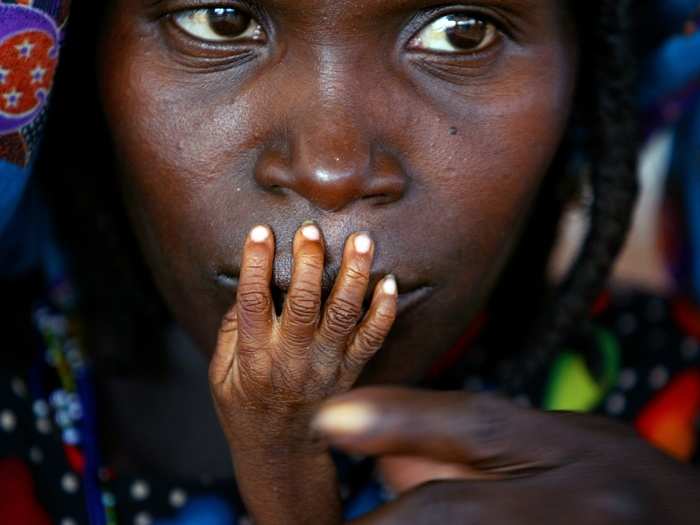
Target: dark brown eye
467, 33
228, 22
219, 24
455, 33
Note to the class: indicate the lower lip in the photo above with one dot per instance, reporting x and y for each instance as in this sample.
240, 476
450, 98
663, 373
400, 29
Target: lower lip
406, 302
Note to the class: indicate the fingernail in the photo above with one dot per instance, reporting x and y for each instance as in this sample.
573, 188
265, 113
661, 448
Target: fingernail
259, 234
310, 231
346, 418
389, 287
363, 244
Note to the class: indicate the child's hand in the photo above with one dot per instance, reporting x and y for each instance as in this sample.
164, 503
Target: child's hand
280, 368
269, 374
497, 463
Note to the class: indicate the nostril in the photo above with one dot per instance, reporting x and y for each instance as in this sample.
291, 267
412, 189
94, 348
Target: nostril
378, 200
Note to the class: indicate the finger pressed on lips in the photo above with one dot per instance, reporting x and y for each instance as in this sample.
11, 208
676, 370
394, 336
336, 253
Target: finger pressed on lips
335, 332
344, 305
302, 305
255, 308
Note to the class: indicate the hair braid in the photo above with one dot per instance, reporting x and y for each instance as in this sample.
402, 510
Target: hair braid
612, 148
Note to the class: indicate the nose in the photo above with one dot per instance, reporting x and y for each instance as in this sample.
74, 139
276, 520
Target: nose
331, 163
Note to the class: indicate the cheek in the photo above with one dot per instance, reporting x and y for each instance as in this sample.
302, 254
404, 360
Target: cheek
494, 151
187, 149
172, 151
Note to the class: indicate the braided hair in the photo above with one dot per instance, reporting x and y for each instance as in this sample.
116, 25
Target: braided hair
609, 145
123, 306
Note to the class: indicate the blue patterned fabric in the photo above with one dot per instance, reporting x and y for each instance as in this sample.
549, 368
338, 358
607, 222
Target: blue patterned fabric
670, 97
31, 32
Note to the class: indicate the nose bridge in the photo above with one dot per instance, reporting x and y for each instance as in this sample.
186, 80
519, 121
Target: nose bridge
330, 143
332, 153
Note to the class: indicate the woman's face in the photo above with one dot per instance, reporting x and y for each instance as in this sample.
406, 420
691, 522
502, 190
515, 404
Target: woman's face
429, 124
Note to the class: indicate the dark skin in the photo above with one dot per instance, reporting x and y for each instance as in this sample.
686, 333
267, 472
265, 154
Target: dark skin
415, 137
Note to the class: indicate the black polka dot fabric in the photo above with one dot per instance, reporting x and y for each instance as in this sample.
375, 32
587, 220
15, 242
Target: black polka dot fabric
647, 367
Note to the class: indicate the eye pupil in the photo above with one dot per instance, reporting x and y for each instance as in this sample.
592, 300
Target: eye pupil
466, 32
228, 21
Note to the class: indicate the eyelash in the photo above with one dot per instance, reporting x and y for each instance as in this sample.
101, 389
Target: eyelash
420, 22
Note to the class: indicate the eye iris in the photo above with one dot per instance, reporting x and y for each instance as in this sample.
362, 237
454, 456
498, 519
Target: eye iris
228, 22
466, 32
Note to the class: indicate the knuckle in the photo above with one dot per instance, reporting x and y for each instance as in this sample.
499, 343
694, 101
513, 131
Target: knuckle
342, 315
254, 299
311, 262
384, 318
325, 357
357, 275
295, 344
252, 341
256, 262
303, 303
371, 338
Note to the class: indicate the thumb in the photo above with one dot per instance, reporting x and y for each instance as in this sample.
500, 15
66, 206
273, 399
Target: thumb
483, 431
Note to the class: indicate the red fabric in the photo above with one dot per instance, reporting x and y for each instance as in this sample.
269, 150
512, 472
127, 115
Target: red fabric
453, 356
75, 459
669, 420
18, 503
687, 315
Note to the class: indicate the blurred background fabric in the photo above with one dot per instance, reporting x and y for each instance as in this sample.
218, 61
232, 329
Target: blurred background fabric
670, 98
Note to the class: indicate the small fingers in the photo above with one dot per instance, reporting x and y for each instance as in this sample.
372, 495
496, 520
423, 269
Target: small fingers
255, 309
370, 335
303, 303
344, 306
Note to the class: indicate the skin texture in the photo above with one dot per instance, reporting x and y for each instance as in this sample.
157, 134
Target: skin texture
486, 460
335, 115
438, 157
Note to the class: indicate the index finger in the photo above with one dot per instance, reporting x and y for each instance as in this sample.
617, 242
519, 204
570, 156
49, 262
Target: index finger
254, 305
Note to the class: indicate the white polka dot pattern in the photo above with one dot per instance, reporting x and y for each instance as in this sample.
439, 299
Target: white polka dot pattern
658, 377
36, 455
70, 483
177, 498
616, 404
140, 490
8, 420
628, 379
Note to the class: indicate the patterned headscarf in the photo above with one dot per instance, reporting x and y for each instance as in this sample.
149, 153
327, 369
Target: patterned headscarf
31, 32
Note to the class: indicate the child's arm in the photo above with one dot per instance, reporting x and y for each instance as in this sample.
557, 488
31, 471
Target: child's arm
269, 375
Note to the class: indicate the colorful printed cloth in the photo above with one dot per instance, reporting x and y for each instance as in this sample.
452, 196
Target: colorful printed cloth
642, 367
31, 32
